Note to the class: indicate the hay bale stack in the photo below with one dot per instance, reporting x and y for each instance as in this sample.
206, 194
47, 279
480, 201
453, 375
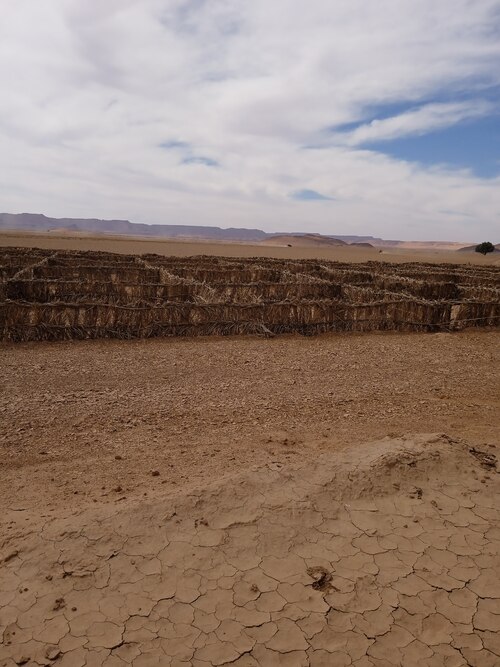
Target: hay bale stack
64, 295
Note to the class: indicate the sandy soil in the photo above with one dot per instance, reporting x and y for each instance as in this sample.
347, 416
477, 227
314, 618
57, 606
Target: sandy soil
142, 245
212, 502
384, 555
195, 408
305, 241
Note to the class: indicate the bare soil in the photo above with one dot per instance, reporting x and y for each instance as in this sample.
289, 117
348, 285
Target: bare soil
229, 502
130, 245
102, 421
379, 556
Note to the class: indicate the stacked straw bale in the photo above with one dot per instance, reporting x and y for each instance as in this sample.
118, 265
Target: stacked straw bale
46, 295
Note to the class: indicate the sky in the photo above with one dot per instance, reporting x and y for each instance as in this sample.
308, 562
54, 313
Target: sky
349, 117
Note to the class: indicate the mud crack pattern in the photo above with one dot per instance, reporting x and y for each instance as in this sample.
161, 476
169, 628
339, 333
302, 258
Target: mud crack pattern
388, 554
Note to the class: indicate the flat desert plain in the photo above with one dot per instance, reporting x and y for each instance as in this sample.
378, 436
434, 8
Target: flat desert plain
132, 245
294, 501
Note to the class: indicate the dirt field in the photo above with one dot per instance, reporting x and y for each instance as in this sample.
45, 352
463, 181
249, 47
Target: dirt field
141, 245
196, 409
379, 556
251, 502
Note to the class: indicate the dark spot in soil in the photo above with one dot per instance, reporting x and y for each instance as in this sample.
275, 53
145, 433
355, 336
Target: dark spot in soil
10, 556
59, 604
322, 578
486, 459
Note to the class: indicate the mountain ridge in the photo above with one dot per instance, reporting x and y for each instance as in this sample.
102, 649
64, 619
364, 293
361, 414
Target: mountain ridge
38, 222
41, 222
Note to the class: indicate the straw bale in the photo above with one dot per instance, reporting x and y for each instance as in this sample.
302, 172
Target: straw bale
129, 273
59, 295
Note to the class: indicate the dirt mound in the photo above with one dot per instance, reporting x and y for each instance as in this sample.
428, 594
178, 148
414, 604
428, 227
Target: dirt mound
303, 240
384, 555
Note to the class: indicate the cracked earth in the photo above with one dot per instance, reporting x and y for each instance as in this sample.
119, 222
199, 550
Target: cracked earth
213, 502
383, 555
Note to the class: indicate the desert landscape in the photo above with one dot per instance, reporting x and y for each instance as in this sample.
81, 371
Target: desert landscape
317, 486
293, 249
84, 294
250, 333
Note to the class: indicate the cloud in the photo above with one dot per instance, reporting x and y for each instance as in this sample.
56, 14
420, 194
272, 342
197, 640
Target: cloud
418, 121
105, 105
309, 195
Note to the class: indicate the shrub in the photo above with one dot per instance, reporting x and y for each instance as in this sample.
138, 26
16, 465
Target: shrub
485, 247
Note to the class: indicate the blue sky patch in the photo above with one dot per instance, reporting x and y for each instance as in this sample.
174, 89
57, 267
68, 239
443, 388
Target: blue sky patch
378, 112
473, 145
172, 145
199, 159
387, 110
309, 195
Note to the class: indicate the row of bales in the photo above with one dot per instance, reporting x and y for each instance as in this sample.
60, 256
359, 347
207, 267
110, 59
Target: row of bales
47, 295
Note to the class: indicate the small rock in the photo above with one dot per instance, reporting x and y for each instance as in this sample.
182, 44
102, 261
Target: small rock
52, 652
155, 473
59, 604
10, 556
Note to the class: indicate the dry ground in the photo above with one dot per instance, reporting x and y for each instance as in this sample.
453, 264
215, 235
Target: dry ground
386, 555
213, 502
141, 245
193, 409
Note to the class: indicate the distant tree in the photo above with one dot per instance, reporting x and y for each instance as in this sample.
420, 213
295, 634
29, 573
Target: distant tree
485, 247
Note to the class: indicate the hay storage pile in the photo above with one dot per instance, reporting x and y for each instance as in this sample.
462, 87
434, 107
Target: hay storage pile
47, 295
